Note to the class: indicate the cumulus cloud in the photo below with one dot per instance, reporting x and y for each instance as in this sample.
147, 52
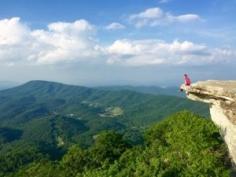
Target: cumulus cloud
69, 42
12, 32
156, 52
115, 26
61, 41
156, 16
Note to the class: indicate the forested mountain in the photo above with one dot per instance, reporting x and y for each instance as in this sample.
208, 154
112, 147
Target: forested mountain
41, 120
41, 103
155, 90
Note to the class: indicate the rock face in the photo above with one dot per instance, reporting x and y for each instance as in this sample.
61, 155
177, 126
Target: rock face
221, 96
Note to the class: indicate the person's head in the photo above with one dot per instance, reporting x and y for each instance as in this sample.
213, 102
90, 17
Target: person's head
185, 75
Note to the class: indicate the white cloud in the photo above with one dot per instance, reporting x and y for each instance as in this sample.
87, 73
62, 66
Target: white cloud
115, 26
156, 16
61, 41
14, 37
156, 52
164, 1
187, 18
12, 31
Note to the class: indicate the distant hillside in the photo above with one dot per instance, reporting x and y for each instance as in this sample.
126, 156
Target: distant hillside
155, 90
53, 115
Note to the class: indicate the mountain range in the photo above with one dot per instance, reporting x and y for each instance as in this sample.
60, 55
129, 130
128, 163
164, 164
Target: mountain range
57, 115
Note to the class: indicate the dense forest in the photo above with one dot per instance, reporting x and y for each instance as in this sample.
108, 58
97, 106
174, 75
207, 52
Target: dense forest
183, 145
50, 129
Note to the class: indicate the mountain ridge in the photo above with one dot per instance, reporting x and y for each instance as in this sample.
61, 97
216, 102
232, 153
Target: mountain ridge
63, 114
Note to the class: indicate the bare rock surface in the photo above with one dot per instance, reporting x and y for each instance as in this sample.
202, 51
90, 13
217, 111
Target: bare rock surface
221, 96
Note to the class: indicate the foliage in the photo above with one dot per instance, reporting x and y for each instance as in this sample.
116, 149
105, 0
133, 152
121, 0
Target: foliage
18, 157
182, 145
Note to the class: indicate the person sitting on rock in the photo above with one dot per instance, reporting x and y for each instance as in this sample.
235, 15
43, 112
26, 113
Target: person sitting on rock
187, 80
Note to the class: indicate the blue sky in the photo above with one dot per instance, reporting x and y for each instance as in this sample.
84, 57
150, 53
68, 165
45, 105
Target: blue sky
104, 42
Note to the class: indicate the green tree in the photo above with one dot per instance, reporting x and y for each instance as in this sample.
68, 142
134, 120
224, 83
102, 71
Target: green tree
76, 160
108, 147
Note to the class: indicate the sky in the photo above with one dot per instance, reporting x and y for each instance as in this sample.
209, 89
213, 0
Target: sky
125, 42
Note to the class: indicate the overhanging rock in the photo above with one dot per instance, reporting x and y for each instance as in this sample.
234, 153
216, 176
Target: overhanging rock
221, 95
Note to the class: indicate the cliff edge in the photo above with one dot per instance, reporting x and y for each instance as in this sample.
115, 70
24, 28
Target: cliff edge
221, 96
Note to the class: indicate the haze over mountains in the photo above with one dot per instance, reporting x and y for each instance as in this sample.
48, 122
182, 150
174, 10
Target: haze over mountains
7, 84
152, 89
155, 90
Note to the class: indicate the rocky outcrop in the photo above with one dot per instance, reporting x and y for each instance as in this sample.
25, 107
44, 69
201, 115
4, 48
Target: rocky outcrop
221, 96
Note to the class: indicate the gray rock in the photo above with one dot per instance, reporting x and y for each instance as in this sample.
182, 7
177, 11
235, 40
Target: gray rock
221, 96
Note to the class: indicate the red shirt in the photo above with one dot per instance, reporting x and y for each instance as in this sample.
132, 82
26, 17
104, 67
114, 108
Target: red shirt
187, 81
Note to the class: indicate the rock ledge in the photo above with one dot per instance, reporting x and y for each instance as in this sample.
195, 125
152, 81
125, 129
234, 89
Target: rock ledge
221, 96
